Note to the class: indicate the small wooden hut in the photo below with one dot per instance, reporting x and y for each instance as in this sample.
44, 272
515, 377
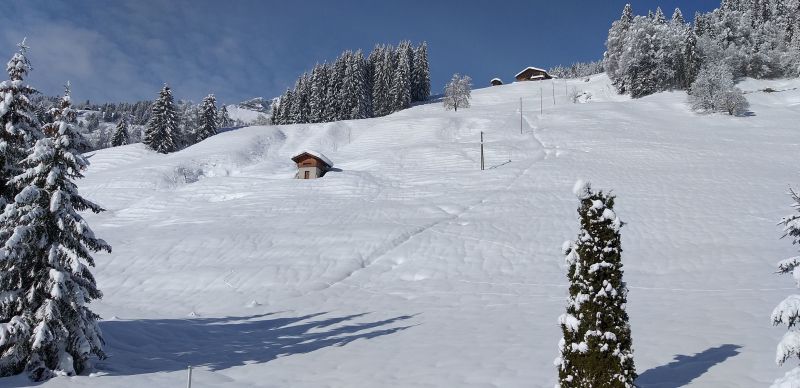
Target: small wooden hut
496, 82
532, 74
311, 165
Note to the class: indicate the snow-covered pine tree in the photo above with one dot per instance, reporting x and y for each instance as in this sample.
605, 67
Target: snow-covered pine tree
639, 60
316, 98
46, 329
330, 104
596, 347
691, 60
121, 136
457, 93
420, 74
274, 107
163, 124
677, 17
659, 16
358, 92
188, 115
336, 102
296, 109
207, 126
615, 45
380, 89
303, 98
19, 128
223, 118
287, 107
787, 312
400, 91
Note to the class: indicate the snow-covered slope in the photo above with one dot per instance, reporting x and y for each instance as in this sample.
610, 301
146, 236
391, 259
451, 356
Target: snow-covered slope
410, 267
245, 115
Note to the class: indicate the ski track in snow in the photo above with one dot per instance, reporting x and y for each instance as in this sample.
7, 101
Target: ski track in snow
410, 267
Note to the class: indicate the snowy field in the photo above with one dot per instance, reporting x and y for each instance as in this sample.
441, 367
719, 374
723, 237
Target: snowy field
410, 267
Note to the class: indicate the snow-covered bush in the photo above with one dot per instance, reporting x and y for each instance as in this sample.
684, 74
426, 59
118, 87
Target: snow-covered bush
596, 343
734, 102
788, 311
714, 90
457, 92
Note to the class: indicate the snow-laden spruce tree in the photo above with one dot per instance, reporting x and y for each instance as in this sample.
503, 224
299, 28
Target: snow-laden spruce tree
19, 128
457, 92
713, 90
400, 91
163, 125
420, 74
788, 311
596, 344
615, 45
224, 119
207, 125
121, 136
46, 328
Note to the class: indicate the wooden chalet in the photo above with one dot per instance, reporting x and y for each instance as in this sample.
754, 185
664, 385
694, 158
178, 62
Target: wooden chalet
532, 74
311, 165
496, 82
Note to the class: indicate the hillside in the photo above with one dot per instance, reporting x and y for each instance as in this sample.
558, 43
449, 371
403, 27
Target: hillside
410, 267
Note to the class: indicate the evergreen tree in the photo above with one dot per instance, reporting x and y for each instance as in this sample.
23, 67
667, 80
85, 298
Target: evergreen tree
691, 60
316, 99
223, 118
677, 17
274, 108
659, 16
787, 312
615, 45
19, 128
121, 136
596, 346
420, 74
287, 106
163, 124
380, 86
400, 92
45, 326
357, 94
208, 118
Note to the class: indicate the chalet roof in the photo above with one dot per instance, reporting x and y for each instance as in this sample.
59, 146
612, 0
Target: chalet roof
496, 79
296, 158
530, 68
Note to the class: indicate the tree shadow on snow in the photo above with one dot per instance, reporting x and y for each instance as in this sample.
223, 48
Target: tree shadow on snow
683, 369
149, 346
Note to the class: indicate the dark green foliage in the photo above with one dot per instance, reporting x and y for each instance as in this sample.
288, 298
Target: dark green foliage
596, 345
19, 128
208, 118
46, 327
163, 125
120, 134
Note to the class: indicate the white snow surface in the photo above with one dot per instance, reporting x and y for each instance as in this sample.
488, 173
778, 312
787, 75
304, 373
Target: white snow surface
247, 116
410, 267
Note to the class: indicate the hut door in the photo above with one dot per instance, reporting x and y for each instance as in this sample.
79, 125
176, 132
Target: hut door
307, 175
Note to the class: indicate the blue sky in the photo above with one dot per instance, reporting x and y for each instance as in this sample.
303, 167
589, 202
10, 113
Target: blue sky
125, 50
